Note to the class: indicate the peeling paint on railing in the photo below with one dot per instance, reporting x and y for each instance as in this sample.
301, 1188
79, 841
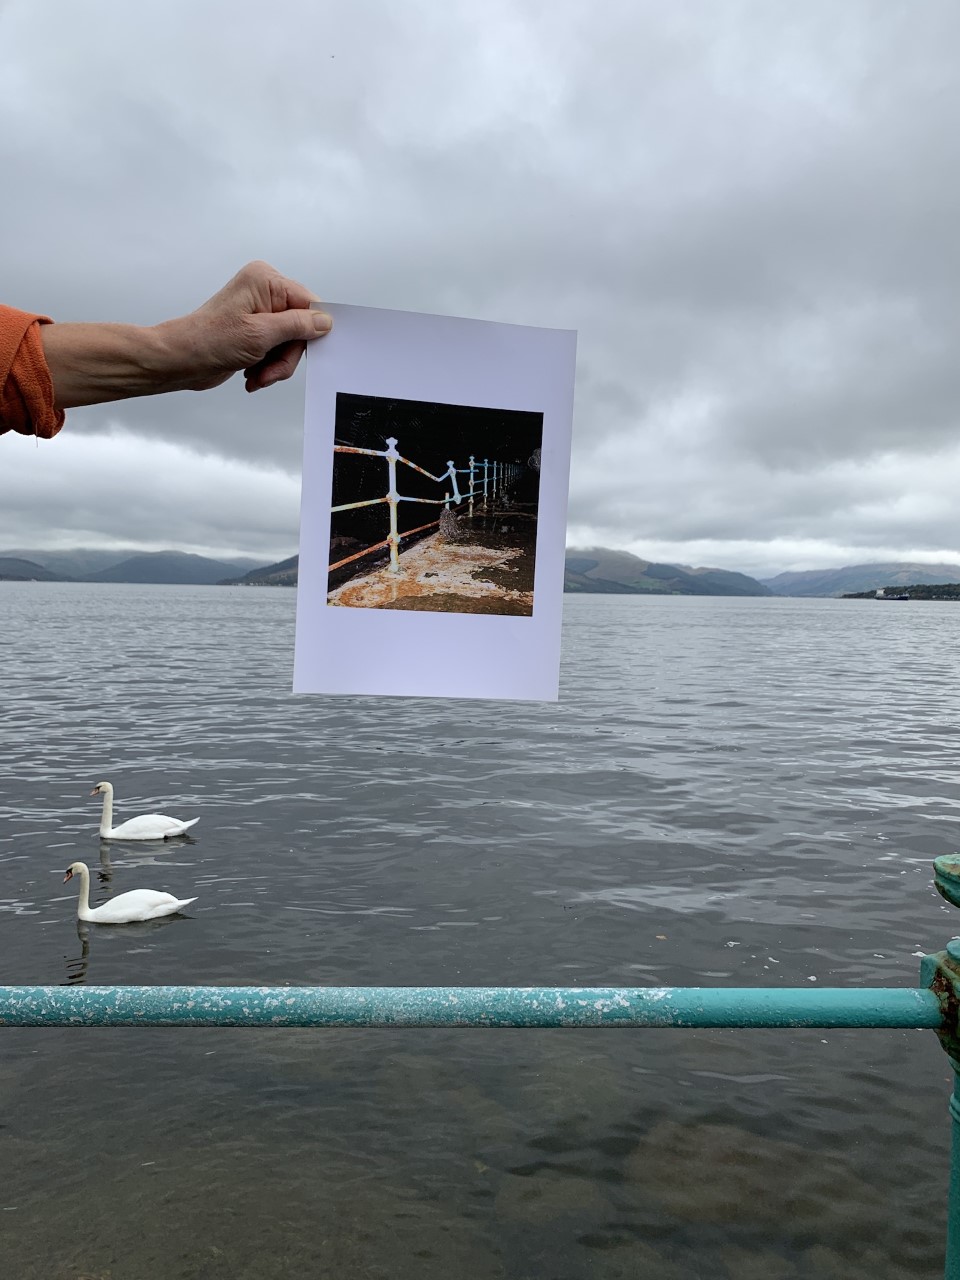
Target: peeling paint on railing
468, 1007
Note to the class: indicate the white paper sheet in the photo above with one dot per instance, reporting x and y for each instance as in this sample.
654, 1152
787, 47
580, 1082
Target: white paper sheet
441, 606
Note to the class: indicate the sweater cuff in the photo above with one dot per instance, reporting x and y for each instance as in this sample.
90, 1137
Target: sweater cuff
26, 388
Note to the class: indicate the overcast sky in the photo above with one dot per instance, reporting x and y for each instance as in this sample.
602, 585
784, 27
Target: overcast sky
748, 210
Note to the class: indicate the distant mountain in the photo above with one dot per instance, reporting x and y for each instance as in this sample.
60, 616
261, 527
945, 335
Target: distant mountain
282, 574
84, 562
599, 570
77, 562
859, 577
13, 569
596, 570
246, 563
168, 567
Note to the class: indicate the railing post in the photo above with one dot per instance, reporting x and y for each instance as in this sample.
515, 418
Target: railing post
472, 469
941, 974
486, 468
393, 500
951, 1268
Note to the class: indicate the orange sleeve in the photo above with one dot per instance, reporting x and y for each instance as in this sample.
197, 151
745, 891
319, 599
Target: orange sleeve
26, 388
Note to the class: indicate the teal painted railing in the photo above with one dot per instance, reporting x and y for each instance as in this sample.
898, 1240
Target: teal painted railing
935, 1005
468, 1007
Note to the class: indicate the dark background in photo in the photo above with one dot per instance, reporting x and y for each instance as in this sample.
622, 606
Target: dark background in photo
429, 435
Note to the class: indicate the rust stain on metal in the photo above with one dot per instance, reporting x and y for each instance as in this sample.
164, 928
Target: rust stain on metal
408, 533
429, 474
944, 984
358, 555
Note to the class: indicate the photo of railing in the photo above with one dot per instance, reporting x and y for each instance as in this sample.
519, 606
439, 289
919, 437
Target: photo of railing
487, 482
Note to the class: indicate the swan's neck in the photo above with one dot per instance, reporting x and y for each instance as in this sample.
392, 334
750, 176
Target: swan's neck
83, 907
106, 818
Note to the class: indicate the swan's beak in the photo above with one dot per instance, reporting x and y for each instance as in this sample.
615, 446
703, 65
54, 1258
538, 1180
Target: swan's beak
95, 791
68, 876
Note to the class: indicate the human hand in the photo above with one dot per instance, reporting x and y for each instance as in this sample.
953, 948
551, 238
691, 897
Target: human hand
259, 322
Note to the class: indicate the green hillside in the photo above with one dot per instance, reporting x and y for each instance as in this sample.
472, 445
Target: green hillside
281, 574
13, 569
166, 567
853, 578
596, 570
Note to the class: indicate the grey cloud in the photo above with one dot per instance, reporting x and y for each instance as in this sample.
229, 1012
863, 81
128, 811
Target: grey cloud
749, 211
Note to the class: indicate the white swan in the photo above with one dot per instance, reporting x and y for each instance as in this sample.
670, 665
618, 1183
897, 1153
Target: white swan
125, 908
151, 826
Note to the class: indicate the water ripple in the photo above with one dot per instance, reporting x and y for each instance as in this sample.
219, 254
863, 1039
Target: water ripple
734, 792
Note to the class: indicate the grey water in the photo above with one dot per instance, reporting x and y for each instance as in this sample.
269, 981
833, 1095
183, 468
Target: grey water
729, 792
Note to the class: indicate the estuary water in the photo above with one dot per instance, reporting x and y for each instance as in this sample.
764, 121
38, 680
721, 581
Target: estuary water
730, 792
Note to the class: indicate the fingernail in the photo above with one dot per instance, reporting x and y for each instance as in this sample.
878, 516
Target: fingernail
322, 322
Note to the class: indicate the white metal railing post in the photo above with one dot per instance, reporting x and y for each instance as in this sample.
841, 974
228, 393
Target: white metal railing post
452, 473
496, 477
393, 538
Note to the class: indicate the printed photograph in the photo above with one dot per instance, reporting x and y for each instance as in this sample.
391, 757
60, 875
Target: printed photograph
434, 506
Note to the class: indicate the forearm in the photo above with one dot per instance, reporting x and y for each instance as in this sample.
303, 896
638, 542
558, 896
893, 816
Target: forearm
259, 322
97, 363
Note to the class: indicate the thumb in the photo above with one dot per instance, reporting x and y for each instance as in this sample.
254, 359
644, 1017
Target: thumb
295, 325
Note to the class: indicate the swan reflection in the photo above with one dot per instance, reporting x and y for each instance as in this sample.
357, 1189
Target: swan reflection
77, 967
140, 853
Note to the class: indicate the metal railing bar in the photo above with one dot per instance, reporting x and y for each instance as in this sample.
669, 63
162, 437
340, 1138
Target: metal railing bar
357, 555
496, 479
181, 1006
429, 474
352, 506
